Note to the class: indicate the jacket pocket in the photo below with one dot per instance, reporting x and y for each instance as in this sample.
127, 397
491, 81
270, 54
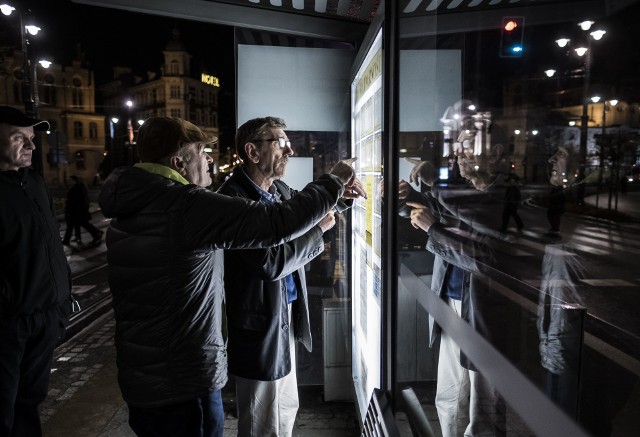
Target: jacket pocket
251, 322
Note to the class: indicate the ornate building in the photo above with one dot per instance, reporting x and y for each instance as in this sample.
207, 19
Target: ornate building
176, 92
65, 96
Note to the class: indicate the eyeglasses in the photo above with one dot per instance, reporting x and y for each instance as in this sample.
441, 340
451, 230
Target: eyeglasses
282, 141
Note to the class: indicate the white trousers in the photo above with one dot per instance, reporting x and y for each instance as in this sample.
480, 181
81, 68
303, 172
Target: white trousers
467, 405
269, 408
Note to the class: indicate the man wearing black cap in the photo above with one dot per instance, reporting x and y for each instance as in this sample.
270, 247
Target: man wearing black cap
166, 272
35, 281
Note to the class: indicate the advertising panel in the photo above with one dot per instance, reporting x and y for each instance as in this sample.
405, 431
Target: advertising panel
366, 121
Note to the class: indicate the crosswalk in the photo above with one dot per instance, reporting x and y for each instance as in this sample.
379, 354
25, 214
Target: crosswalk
607, 284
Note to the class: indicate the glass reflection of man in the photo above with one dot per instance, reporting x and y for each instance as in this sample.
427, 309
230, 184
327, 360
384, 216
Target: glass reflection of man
457, 226
561, 172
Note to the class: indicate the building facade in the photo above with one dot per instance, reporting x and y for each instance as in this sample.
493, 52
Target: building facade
65, 96
174, 92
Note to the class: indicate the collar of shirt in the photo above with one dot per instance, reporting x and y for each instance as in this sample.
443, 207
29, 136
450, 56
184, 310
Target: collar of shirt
162, 170
268, 197
271, 196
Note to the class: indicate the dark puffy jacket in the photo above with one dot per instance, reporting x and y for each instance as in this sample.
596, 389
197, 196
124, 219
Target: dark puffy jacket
165, 274
34, 274
256, 296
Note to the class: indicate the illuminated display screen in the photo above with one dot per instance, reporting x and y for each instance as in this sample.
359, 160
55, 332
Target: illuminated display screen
366, 128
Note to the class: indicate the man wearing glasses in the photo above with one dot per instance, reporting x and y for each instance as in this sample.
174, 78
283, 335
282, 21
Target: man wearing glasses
266, 294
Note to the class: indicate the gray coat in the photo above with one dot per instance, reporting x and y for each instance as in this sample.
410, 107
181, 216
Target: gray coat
256, 295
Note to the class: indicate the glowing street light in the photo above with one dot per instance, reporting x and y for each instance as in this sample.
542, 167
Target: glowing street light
30, 81
586, 25
6, 9
585, 51
581, 51
32, 29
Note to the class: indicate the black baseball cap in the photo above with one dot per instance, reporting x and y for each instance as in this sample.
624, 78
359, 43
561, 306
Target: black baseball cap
15, 117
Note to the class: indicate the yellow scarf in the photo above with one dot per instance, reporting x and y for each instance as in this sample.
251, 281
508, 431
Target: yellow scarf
162, 170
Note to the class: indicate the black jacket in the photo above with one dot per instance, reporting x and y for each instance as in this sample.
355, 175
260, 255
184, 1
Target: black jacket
34, 273
166, 275
77, 205
256, 295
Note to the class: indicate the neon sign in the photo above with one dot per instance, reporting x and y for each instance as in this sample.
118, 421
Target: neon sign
210, 80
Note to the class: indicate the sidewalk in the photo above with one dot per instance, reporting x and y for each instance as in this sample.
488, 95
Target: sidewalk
627, 208
84, 399
627, 204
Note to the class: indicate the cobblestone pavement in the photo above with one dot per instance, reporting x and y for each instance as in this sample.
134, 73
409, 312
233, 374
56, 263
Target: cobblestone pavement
84, 399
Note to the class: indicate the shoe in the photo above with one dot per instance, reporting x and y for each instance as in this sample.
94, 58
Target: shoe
98, 238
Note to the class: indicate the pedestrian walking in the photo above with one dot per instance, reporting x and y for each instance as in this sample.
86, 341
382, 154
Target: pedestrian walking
512, 199
77, 213
555, 208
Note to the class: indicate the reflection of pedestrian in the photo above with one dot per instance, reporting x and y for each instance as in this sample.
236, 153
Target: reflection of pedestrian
77, 213
555, 208
623, 184
511, 201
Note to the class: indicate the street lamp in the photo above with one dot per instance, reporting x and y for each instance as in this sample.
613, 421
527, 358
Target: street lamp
29, 83
603, 140
28, 67
584, 119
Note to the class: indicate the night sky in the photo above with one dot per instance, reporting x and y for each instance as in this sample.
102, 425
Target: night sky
110, 37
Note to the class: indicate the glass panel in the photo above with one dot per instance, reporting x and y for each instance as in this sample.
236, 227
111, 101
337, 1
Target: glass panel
518, 206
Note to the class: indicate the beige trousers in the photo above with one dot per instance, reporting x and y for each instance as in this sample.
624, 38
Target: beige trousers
269, 408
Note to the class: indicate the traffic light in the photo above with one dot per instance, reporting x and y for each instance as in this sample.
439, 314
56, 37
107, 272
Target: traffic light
511, 35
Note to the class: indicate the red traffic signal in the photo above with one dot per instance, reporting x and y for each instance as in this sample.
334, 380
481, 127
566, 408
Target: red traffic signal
510, 25
511, 35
